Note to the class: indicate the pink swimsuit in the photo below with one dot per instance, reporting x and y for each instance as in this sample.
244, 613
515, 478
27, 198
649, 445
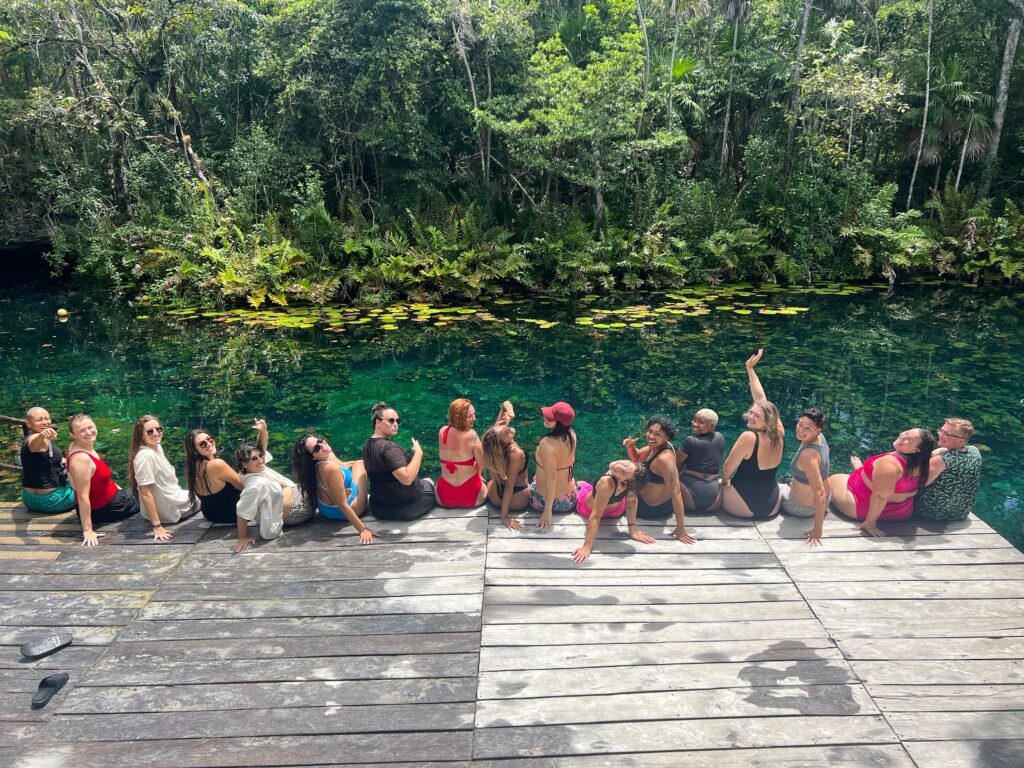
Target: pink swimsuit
893, 510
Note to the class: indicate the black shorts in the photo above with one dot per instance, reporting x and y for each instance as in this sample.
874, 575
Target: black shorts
121, 507
414, 509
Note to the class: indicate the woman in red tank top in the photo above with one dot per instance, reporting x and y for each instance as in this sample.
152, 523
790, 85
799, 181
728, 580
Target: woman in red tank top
99, 499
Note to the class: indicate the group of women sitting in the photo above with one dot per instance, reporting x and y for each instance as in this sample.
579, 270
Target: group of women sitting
657, 481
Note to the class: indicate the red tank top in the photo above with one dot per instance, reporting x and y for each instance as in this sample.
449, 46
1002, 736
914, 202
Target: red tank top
101, 488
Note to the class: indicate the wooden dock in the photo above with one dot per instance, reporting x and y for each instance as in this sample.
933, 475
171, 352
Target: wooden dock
455, 642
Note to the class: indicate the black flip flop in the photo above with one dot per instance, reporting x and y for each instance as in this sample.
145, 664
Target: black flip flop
48, 686
45, 645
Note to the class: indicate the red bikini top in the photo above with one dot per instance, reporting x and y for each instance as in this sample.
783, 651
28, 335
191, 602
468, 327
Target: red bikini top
451, 466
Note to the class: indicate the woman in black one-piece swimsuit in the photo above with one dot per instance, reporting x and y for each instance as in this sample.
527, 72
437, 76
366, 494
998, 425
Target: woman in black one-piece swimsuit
752, 490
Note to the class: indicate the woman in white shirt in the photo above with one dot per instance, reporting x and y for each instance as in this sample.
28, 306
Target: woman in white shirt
268, 498
154, 480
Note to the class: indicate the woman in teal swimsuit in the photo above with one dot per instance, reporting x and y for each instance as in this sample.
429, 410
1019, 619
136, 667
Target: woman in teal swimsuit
337, 488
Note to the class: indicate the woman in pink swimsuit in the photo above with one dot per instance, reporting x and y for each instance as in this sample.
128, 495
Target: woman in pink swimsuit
883, 487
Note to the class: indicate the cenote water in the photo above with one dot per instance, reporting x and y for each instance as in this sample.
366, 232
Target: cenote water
875, 364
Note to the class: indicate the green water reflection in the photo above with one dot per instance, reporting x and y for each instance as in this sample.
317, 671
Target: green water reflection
876, 365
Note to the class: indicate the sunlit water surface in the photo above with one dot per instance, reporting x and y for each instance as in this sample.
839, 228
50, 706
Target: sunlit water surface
875, 364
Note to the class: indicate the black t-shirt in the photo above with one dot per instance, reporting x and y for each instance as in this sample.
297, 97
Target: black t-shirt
704, 452
382, 457
41, 470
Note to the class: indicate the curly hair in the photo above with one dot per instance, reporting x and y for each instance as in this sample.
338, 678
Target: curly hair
243, 453
667, 426
458, 414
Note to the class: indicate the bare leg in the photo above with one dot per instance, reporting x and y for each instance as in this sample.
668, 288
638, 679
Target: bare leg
362, 483
688, 502
842, 500
733, 503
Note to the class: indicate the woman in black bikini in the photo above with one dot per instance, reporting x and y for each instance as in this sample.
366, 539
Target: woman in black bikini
660, 497
504, 459
752, 492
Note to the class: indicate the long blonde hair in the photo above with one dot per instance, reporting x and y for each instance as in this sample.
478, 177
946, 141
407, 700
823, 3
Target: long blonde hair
771, 421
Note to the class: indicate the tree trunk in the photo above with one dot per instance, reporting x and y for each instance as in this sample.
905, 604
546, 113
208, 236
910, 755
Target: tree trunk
1002, 95
927, 96
795, 84
672, 70
595, 153
963, 153
472, 93
728, 101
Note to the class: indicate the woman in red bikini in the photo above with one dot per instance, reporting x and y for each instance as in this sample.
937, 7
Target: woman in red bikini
100, 500
462, 457
883, 487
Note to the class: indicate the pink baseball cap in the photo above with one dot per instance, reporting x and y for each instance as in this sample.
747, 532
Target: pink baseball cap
560, 412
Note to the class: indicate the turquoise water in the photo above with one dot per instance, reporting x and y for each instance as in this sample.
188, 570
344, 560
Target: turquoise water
875, 364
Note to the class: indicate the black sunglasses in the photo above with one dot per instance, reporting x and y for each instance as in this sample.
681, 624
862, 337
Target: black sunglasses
317, 446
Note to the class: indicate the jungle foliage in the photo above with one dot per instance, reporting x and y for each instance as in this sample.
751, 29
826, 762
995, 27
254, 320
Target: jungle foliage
261, 151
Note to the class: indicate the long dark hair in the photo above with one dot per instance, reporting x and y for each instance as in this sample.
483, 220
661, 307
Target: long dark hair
563, 433
137, 443
304, 467
917, 463
243, 453
640, 479
195, 463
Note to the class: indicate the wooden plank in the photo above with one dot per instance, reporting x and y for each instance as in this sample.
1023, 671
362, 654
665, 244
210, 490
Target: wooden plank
572, 520
634, 577
269, 609
654, 735
423, 570
938, 726
622, 594
647, 632
895, 649
84, 635
523, 684
493, 659
142, 670
498, 532
836, 756
45, 582
159, 652
867, 559
624, 545
33, 554
682, 557
963, 573
624, 614
82, 616
866, 543
676, 705
216, 629
902, 590
948, 698
916, 609
244, 696
291, 589
849, 632
968, 753
422, 748
71, 657
835, 526
274, 721
391, 558
911, 671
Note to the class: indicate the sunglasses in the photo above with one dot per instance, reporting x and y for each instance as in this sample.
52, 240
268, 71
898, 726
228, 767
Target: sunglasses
396, 421
206, 443
254, 457
317, 446
155, 431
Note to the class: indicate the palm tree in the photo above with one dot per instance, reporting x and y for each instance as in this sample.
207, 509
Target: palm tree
735, 11
681, 10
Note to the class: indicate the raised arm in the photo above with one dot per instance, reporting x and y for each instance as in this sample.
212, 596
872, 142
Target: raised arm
756, 390
260, 425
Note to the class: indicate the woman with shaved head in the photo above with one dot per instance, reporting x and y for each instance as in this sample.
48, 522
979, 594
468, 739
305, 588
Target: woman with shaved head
44, 479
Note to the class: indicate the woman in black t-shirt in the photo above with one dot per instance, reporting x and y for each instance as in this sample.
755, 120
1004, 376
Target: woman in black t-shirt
397, 492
